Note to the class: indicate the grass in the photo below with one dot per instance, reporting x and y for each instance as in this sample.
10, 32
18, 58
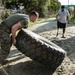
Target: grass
40, 20
0, 20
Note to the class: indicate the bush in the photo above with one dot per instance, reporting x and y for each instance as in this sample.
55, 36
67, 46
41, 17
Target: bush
73, 20
5, 13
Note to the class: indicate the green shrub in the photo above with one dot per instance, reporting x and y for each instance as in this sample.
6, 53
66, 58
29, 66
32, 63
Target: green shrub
73, 20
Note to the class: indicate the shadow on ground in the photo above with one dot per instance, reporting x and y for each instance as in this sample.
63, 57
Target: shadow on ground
74, 74
27, 68
68, 45
19, 64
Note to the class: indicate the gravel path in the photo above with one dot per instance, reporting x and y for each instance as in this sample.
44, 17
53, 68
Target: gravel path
48, 30
19, 64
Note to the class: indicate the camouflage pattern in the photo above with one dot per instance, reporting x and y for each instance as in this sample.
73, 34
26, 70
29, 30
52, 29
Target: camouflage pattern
4, 43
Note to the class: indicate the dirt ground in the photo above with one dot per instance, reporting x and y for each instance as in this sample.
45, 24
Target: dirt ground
19, 64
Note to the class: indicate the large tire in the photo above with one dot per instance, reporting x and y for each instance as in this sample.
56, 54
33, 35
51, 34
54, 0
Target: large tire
39, 49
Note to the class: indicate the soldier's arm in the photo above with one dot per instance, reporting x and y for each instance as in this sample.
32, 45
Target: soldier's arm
13, 31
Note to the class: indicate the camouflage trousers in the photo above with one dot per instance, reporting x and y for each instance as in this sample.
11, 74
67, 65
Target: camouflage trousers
5, 45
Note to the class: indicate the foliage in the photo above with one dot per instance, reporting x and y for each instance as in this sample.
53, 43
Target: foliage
73, 20
5, 14
42, 6
54, 5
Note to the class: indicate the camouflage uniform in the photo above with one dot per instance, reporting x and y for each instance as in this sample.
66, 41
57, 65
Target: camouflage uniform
4, 42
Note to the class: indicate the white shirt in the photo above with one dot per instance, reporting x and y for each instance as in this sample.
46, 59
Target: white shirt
63, 15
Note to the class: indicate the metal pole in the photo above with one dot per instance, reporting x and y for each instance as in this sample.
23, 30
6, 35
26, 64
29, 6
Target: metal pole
68, 4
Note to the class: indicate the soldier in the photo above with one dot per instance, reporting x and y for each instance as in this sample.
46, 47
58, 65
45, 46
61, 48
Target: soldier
9, 26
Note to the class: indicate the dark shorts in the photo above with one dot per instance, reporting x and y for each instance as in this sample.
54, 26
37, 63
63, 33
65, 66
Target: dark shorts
61, 25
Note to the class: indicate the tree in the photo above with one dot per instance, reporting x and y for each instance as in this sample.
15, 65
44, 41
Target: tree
42, 6
54, 5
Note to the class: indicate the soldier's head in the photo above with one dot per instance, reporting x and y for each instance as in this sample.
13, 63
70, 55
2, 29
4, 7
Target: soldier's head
62, 8
33, 16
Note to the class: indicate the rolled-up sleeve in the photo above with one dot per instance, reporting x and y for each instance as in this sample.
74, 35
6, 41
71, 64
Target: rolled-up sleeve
24, 23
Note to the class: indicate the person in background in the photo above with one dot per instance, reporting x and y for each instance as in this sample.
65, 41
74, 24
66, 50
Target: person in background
62, 18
